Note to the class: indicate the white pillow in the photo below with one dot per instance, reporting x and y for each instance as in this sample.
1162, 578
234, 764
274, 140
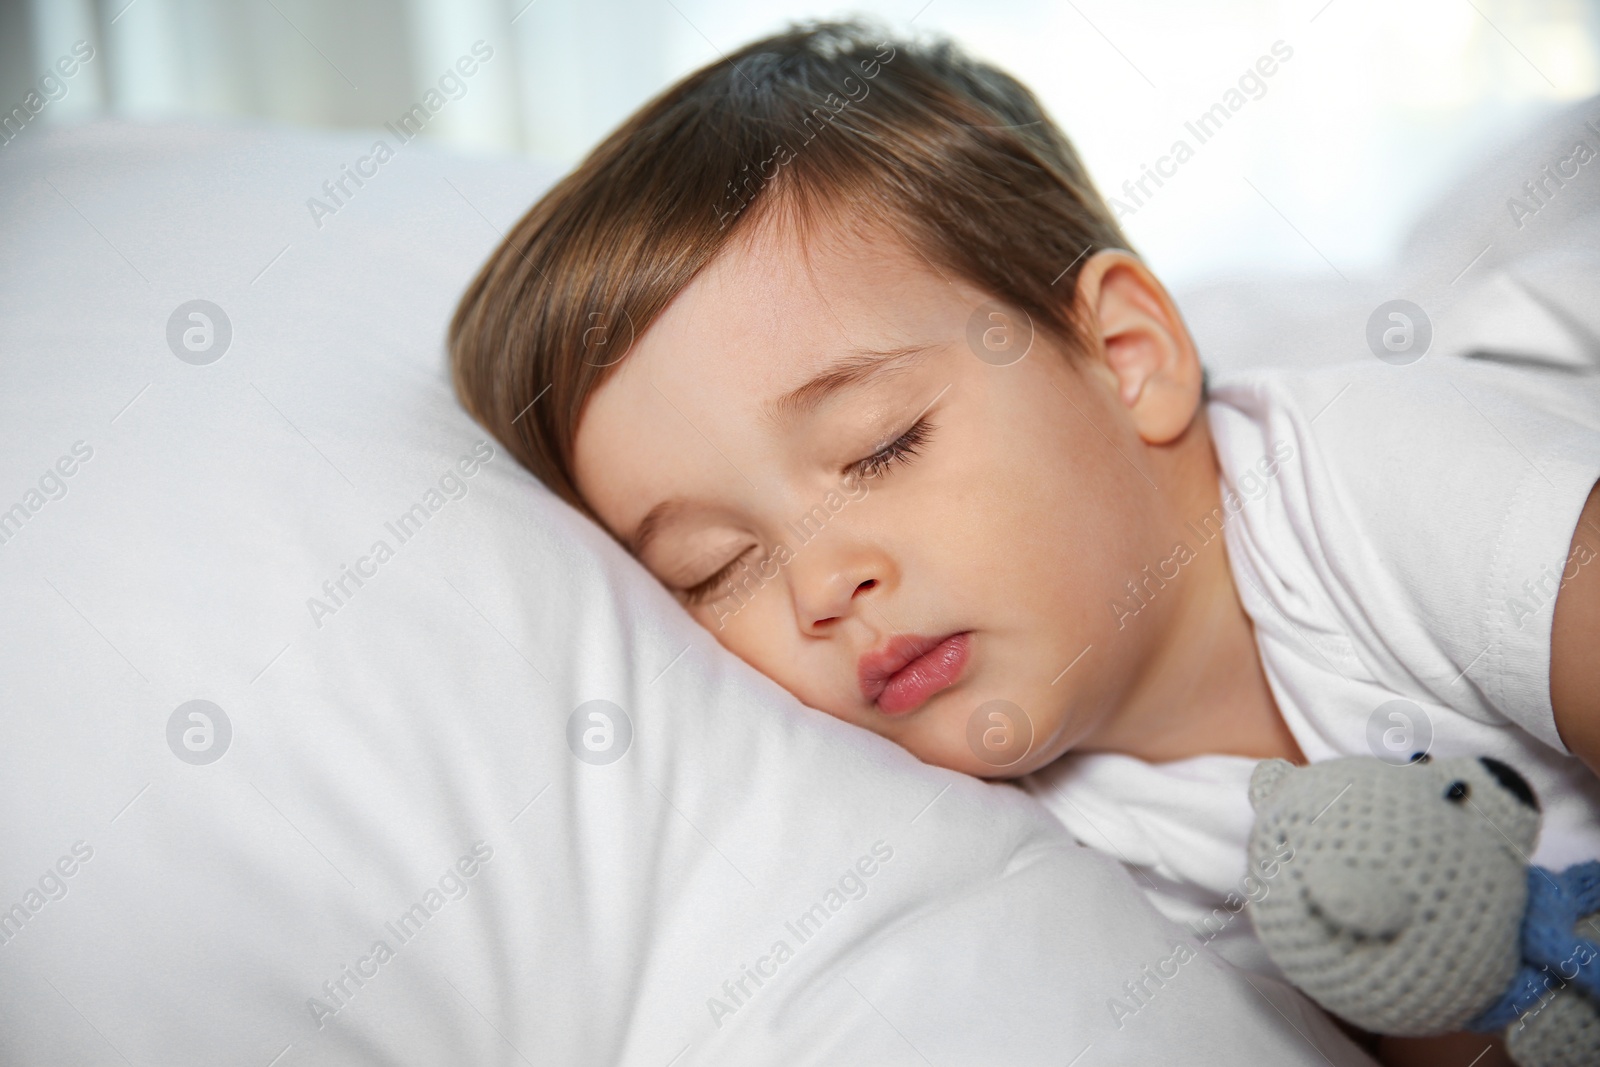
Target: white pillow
391, 765
1493, 283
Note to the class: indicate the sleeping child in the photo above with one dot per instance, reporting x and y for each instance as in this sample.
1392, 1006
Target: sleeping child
838, 339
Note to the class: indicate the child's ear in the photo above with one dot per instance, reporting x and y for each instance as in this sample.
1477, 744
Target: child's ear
1144, 348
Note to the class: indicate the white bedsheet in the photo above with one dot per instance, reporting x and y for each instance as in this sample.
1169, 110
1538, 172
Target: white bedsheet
397, 770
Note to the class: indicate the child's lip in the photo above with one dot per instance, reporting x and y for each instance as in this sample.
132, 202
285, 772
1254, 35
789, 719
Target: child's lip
900, 676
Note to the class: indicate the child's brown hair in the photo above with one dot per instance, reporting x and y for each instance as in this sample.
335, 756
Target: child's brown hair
826, 121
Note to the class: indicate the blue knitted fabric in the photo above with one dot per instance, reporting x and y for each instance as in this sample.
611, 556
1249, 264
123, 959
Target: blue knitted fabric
1554, 956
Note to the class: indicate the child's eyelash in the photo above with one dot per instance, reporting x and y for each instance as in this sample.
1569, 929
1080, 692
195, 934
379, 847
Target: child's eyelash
899, 450
701, 591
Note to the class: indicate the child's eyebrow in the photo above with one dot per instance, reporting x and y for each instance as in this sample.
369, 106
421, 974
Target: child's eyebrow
853, 369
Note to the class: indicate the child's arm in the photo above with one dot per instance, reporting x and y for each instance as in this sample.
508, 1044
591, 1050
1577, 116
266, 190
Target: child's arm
1451, 1050
1575, 641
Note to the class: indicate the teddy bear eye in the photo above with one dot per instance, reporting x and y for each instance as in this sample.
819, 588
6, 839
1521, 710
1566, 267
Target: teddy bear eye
1420, 757
1458, 792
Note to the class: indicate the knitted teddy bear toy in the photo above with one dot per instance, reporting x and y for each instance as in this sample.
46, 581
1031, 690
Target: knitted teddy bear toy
1409, 907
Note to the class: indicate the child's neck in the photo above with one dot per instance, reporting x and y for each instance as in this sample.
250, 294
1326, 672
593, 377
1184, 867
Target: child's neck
1205, 690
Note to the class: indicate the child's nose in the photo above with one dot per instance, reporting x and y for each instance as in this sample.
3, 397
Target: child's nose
823, 599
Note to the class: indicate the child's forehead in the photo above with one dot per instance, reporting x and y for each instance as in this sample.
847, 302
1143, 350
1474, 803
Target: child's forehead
822, 284
772, 311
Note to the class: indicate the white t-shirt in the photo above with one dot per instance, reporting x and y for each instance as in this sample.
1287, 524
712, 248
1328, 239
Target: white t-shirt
1395, 533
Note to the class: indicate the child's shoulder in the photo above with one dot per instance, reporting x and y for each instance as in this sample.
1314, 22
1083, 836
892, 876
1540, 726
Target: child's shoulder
1369, 395
1436, 428
1418, 518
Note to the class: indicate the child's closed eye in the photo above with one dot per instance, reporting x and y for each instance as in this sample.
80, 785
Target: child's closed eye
899, 450
700, 592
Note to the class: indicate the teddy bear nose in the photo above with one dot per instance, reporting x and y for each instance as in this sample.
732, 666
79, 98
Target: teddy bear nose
1513, 782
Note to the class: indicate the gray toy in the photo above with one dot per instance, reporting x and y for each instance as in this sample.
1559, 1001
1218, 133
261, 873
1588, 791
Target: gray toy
1409, 907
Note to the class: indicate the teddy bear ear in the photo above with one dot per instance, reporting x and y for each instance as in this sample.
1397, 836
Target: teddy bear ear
1264, 780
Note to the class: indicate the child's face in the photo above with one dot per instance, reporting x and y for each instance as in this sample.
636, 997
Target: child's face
1029, 502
